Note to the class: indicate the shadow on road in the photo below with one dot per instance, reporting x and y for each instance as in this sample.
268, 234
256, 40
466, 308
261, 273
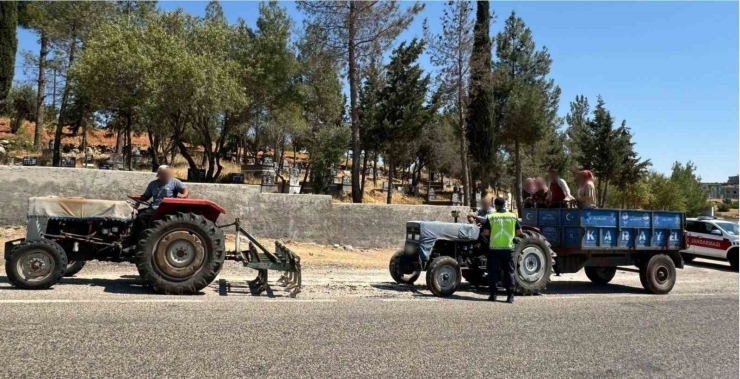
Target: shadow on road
554, 288
126, 284
711, 265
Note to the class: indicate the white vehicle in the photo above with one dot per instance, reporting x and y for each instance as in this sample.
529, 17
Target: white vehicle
713, 239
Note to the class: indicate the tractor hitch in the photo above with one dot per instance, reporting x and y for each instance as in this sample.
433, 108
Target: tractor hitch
257, 257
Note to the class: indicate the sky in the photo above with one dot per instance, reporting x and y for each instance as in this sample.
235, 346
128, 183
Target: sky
670, 69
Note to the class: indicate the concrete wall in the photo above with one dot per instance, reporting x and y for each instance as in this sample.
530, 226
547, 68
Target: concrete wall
311, 218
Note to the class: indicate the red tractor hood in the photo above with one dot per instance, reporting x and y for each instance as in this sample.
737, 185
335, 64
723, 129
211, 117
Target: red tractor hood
207, 208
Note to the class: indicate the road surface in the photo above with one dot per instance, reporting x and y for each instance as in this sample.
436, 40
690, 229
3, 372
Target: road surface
356, 324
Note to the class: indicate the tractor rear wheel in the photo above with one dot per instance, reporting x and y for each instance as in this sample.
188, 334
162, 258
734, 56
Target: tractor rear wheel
397, 272
533, 263
73, 267
600, 275
36, 264
180, 254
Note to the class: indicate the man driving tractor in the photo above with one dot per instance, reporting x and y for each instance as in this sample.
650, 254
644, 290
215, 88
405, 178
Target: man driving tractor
164, 186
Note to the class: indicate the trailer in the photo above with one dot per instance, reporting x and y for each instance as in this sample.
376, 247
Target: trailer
552, 241
600, 240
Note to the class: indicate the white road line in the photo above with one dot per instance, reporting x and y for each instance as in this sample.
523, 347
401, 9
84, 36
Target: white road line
74, 301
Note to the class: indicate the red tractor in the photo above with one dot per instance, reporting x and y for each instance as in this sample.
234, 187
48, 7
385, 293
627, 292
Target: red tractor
180, 252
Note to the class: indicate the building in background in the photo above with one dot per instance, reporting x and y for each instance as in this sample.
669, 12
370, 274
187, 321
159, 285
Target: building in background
726, 190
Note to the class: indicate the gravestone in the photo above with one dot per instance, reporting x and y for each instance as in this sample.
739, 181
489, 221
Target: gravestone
69, 162
30, 161
385, 186
432, 196
295, 181
196, 175
456, 198
237, 179
267, 184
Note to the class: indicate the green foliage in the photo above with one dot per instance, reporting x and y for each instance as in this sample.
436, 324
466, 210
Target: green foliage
664, 194
684, 178
8, 46
404, 109
525, 100
722, 207
480, 125
21, 105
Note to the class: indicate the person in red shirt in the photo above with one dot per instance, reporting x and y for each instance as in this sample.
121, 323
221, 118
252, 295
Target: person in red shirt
559, 191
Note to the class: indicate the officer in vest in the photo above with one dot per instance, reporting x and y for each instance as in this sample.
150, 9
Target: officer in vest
501, 228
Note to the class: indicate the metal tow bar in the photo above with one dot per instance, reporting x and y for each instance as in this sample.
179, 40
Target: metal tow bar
259, 258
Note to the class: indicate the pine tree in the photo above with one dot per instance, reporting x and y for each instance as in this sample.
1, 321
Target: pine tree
8, 46
525, 100
404, 107
451, 51
354, 28
576, 120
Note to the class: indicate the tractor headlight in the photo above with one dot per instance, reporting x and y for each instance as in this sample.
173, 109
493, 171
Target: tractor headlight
114, 229
104, 231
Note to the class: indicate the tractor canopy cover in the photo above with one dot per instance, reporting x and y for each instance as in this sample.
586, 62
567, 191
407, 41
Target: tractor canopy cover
77, 207
431, 231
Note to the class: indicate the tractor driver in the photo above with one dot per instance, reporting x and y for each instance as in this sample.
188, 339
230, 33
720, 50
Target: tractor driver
501, 228
164, 186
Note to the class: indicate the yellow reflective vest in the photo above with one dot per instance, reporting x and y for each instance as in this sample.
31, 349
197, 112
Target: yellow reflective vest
503, 230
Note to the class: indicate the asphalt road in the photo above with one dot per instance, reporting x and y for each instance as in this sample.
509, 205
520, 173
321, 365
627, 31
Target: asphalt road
104, 324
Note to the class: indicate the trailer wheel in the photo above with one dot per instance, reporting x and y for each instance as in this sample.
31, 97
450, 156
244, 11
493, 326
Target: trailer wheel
36, 264
533, 263
443, 276
397, 273
658, 274
180, 254
73, 267
475, 277
600, 275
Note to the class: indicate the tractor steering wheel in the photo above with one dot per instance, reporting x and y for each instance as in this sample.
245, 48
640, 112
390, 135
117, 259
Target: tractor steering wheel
136, 202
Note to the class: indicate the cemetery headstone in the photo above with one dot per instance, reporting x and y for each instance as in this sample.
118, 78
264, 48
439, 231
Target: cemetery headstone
455, 198
432, 196
197, 175
30, 161
69, 162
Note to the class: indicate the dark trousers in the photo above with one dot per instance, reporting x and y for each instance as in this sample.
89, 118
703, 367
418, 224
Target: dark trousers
143, 218
498, 259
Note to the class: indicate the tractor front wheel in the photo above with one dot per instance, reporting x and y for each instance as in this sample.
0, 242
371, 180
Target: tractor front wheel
398, 273
180, 254
36, 264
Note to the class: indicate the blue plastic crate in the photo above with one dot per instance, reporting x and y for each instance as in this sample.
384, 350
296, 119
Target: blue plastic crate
667, 220
570, 217
550, 217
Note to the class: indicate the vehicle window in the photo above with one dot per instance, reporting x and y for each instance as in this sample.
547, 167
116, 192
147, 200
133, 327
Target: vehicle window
704, 227
691, 226
729, 227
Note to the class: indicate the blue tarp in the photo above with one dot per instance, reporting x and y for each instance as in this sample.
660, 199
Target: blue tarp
431, 231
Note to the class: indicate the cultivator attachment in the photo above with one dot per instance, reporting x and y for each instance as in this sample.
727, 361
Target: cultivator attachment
259, 258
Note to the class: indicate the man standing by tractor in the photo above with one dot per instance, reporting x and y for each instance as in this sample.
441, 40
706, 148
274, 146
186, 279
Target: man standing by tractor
164, 186
501, 228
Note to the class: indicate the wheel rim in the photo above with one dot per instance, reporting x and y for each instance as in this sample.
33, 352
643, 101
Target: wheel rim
662, 274
446, 278
35, 265
179, 254
531, 265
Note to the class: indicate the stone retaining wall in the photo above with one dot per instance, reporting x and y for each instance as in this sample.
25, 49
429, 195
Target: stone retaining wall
312, 218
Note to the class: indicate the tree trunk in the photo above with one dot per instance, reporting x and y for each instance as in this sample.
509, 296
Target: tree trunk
364, 169
389, 198
84, 143
119, 142
464, 163
65, 98
375, 170
38, 133
603, 199
353, 83
517, 178
153, 147
129, 142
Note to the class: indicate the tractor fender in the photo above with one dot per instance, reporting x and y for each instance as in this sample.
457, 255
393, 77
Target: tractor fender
207, 208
